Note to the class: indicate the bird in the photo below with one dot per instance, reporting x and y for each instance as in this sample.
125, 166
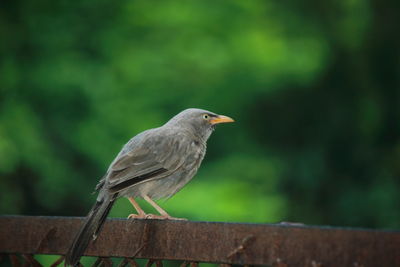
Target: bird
154, 164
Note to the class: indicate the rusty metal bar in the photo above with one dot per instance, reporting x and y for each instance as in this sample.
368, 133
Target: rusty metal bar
228, 243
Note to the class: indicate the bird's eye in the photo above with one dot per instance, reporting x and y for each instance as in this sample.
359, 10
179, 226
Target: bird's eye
206, 117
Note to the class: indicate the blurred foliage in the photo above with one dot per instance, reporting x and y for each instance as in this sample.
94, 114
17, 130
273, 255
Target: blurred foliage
313, 86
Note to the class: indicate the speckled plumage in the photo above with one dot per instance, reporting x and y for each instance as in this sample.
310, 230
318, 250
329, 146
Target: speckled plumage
156, 163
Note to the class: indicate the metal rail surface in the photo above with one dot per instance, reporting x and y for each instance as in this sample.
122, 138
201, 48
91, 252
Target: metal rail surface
23, 237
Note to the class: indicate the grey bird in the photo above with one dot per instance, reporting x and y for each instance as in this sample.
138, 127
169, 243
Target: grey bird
154, 164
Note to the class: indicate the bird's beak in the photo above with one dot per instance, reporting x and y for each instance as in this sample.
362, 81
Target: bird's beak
221, 119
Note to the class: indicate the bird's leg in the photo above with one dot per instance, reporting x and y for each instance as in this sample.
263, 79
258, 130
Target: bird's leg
164, 214
141, 214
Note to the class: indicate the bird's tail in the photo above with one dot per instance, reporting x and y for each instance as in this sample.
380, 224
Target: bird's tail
89, 229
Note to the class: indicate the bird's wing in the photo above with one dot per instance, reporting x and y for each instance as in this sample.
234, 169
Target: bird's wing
155, 156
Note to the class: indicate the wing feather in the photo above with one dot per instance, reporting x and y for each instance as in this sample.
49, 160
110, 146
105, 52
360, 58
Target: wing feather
154, 156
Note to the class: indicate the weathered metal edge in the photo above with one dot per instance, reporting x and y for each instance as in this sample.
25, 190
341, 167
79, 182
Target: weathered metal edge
256, 244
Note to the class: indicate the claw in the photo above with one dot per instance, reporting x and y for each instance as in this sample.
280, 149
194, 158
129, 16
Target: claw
176, 219
137, 216
163, 217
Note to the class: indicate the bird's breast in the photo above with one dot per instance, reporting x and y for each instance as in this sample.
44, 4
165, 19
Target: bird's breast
195, 155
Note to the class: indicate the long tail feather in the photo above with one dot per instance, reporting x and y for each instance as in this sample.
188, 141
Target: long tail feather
89, 229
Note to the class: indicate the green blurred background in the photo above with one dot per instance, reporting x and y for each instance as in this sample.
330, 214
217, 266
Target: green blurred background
313, 86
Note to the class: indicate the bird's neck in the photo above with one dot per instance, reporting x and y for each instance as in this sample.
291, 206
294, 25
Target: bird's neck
193, 134
190, 130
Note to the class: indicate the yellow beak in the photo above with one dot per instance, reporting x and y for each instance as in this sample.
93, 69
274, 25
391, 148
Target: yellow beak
221, 119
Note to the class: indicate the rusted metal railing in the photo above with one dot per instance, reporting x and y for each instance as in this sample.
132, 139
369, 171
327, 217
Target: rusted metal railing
23, 237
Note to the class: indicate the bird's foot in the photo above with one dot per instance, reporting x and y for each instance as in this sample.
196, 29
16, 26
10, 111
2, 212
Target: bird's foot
137, 216
164, 217
155, 217
175, 218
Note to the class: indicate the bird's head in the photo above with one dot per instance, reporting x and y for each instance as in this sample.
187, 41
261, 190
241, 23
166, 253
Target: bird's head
199, 122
